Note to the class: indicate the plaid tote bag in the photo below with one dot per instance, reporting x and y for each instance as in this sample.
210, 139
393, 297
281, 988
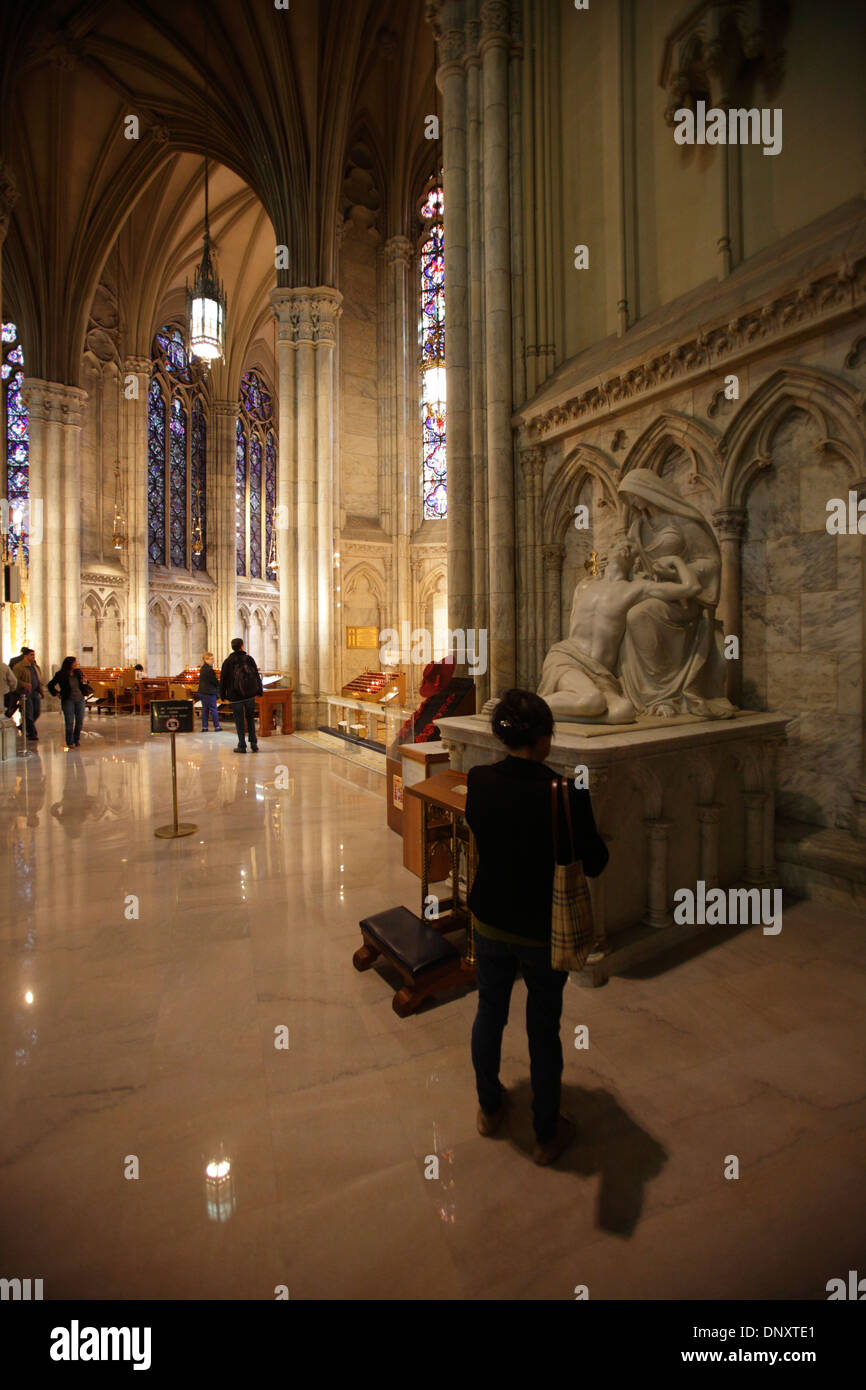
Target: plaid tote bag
572, 930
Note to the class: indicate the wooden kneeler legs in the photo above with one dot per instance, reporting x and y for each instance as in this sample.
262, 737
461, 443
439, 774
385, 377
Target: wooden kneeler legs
424, 957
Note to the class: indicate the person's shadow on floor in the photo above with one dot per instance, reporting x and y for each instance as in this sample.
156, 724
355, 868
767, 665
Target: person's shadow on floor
609, 1143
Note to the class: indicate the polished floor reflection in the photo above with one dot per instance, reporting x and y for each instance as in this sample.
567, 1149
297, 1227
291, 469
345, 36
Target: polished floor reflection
201, 1098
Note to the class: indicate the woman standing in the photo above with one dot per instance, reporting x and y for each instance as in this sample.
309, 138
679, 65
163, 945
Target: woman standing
208, 692
509, 810
69, 685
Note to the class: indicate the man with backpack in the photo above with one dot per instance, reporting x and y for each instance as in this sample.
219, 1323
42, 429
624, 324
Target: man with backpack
240, 683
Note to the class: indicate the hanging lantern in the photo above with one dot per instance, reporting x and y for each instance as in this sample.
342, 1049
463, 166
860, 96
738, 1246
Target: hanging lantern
197, 541
206, 302
273, 562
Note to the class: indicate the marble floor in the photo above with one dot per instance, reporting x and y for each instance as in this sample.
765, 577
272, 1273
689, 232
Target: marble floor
144, 982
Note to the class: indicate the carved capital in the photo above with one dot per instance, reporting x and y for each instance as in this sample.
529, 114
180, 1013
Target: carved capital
533, 460
730, 523
495, 23
137, 366
552, 555
307, 315
399, 251
54, 402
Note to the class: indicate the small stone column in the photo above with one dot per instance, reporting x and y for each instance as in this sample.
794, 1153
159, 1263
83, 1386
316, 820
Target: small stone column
755, 803
137, 373
532, 460
658, 837
730, 524
552, 555
449, 28
56, 414
495, 50
708, 818
401, 464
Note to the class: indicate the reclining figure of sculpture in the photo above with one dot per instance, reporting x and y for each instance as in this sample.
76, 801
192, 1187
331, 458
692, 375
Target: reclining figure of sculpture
642, 638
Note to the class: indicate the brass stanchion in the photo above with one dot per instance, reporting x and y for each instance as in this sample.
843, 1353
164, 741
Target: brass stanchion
172, 832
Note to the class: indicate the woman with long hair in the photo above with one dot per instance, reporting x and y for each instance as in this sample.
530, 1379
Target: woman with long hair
72, 689
509, 810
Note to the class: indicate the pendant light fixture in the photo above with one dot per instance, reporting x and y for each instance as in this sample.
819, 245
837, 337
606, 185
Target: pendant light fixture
118, 530
206, 302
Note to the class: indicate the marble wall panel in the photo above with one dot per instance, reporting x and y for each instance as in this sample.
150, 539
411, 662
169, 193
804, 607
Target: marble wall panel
820, 767
798, 682
782, 629
754, 651
831, 621
819, 482
359, 384
754, 567
801, 562
850, 682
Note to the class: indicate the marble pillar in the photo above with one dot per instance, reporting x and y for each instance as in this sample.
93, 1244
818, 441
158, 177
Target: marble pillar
534, 637
552, 556
136, 384
307, 320
730, 524
55, 415
755, 803
658, 831
221, 554
451, 81
286, 520
709, 816
495, 50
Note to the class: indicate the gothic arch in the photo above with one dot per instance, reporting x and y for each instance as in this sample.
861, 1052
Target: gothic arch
365, 570
746, 445
560, 498
701, 447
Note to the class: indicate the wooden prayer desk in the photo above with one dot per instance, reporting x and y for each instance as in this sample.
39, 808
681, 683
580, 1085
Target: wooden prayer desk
416, 945
267, 703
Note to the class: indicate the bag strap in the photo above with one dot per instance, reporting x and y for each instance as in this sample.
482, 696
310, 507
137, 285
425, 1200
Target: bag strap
556, 784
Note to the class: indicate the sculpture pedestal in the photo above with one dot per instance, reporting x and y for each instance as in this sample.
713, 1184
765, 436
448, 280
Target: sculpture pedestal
677, 801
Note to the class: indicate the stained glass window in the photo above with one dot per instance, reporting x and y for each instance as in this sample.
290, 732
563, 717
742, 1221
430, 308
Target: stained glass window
270, 498
255, 479
255, 397
17, 444
255, 507
156, 474
198, 458
240, 500
177, 455
431, 260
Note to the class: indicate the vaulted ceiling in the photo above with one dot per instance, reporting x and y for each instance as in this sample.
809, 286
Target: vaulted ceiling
276, 97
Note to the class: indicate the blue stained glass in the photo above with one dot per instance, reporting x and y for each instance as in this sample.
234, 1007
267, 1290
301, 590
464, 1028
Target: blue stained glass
156, 475
17, 445
177, 483
199, 477
270, 497
255, 397
171, 345
255, 507
240, 500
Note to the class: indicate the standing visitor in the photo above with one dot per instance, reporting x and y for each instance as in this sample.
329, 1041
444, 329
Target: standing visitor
8, 689
31, 688
240, 683
208, 692
509, 810
72, 689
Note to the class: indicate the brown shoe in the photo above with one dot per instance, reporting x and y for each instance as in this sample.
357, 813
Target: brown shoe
545, 1154
489, 1124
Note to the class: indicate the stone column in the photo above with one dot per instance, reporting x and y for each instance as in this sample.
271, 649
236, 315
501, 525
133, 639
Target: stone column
730, 524
136, 385
286, 519
8, 199
533, 467
552, 556
56, 413
221, 559
658, 836
495, 52
753, 873
403, 386
451, 81
708, 817
308, 330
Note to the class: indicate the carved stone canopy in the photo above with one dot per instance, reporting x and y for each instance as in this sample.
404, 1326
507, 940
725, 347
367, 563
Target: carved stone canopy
716, 49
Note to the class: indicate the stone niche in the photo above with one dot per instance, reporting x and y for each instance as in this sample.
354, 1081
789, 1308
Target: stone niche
677, 801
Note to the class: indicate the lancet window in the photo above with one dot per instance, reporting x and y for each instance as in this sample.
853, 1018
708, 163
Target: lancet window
176, 457
17, 490
255, 479
431, 330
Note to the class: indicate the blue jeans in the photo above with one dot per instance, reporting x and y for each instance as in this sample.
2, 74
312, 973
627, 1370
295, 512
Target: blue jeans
496, 971
32, 710
245, 710
73, 717
209, 707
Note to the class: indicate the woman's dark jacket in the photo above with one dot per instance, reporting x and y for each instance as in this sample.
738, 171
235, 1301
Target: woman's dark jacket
508, 808
208, 681
59, 685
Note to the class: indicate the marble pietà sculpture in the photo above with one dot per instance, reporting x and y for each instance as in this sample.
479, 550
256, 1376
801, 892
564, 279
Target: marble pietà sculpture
642, 638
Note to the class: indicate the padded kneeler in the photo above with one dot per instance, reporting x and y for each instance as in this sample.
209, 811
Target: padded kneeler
408, 941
